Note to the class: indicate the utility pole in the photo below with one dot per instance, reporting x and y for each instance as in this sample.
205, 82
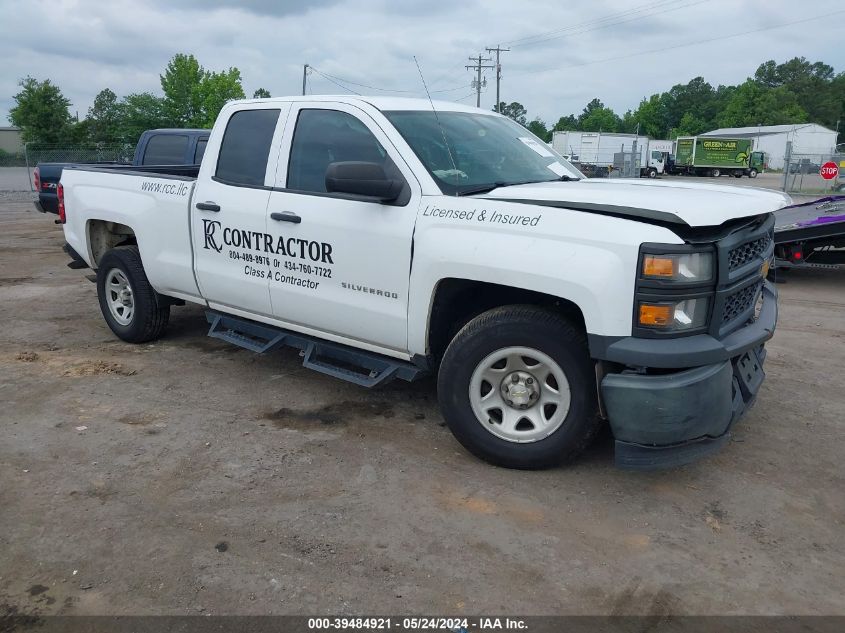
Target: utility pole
304, 77
498, 50
477, 66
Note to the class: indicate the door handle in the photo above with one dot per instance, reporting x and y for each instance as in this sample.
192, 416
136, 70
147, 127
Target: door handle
208, 206
286, 216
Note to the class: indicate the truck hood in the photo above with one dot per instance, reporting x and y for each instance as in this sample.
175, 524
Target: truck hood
681, 202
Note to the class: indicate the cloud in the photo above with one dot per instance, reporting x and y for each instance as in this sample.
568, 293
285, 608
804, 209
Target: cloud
86, 45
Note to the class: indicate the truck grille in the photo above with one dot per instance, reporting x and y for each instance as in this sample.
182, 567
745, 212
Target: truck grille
740, 301
747, 252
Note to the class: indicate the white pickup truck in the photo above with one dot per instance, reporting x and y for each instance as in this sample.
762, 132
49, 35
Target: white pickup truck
393, 238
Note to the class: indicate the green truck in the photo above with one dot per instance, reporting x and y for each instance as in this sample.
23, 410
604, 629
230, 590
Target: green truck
712, 156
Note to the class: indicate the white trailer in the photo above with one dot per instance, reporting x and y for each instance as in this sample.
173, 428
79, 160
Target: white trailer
597, 151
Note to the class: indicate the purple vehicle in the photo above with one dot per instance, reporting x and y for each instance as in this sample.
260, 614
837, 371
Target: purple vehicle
811, 235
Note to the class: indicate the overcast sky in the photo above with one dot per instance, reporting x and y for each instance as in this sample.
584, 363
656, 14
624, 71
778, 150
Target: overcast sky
562, 53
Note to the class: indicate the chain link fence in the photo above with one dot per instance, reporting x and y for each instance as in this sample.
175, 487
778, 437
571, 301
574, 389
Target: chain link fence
802, 173
34, 154
609, 164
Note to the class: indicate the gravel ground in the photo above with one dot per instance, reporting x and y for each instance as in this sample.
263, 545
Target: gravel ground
187, 476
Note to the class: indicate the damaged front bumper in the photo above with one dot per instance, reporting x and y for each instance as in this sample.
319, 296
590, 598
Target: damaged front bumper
664, 417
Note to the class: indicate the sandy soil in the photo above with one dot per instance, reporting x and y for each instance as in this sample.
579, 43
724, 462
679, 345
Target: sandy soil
187, 476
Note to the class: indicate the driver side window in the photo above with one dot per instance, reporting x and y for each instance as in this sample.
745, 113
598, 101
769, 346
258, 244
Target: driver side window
323, 137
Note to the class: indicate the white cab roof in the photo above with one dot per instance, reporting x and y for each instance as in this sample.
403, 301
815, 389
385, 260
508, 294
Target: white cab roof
381, 103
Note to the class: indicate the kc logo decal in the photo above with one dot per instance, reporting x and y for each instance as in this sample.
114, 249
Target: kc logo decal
210, 228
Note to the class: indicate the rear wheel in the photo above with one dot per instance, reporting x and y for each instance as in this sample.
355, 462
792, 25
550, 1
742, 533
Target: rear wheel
737, 174
130, 305
715, 173
517, 389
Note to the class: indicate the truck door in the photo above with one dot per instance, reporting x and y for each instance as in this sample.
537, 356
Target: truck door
229, 210
343, 264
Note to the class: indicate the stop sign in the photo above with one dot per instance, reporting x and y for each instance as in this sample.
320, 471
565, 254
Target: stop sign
829, 170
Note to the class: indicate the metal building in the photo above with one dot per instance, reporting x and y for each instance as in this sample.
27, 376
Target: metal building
10, 140
807, 138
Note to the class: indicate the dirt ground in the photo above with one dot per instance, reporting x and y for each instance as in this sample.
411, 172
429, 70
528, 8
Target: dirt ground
187, 476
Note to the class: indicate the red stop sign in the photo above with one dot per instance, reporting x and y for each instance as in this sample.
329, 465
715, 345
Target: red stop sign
829, 170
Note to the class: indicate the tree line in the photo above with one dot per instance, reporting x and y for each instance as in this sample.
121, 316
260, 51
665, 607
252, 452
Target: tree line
192, 97
797, 91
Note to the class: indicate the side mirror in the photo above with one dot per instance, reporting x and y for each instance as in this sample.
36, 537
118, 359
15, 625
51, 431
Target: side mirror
362, 179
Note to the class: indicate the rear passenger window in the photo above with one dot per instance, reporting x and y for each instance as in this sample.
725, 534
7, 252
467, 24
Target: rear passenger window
165, 149
199, 152
246, 147
327, 136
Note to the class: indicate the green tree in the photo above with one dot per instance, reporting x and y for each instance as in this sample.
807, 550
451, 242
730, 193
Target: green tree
104, 118
689, 125
261, 93
597, 117
181, 86
566, 124
756, 104
142, 111
41, 111
214, 91
515, 111
650, 115
539, 129
811, 83
696, 98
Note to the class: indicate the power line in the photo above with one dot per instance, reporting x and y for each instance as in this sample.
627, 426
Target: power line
609, 24
327, 78
626, 12
685, 44
369, 87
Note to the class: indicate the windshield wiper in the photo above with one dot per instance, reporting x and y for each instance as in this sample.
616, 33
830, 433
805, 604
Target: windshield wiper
495, 185
481, 188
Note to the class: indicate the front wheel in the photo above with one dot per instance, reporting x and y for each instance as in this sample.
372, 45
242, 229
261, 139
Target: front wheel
130, 305
752, 173
652, 173
517, 389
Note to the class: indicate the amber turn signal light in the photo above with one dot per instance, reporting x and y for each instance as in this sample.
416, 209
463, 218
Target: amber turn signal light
652, 315
656, 266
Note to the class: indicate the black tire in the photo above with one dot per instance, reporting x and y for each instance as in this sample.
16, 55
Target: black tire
520, 326
752, 173
715, 173
737, 174
652, 173
149, 317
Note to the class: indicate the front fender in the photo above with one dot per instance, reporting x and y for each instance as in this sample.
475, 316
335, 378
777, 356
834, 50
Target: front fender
585, 258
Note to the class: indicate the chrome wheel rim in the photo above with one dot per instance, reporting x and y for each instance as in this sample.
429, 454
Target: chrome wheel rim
119, 296
519, 394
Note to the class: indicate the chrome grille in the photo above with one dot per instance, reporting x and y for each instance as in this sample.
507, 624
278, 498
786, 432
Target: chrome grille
740, 301
747, 252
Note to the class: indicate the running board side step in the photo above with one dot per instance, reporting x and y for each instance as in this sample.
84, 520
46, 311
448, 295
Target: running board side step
366, 369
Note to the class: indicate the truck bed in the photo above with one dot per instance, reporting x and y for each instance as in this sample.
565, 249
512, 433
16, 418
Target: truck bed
186, 172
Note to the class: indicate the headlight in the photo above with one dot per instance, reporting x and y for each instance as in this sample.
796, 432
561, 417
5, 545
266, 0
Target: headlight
686, 314
682, 268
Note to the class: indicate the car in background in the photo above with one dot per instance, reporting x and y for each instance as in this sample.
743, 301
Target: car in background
171, 147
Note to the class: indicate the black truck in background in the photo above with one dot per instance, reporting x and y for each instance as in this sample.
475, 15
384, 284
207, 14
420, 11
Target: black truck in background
156, 148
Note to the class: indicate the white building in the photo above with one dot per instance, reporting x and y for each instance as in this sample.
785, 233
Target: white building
807, 138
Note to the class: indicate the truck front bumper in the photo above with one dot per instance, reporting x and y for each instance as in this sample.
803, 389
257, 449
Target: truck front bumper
668, 417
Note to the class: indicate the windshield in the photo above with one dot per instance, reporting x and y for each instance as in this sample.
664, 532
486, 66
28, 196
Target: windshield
486, 151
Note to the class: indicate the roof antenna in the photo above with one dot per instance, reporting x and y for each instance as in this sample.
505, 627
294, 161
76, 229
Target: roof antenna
437, 118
